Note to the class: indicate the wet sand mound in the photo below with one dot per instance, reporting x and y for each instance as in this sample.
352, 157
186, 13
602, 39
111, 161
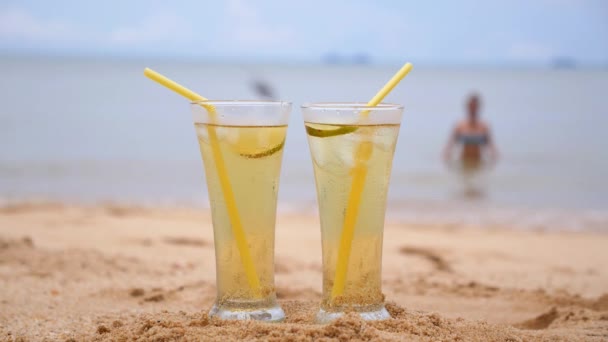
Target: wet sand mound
70, 273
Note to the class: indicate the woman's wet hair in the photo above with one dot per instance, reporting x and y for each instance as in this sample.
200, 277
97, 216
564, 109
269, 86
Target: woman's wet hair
473, 98
473, 103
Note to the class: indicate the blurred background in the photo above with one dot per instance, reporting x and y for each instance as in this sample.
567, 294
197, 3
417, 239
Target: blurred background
80, 123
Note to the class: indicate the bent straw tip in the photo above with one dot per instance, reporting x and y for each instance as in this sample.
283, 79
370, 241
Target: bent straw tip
406, 68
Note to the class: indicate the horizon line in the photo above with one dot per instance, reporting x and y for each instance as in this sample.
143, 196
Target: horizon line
227, 60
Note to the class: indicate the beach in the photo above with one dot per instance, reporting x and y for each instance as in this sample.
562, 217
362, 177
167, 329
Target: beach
109, 272
105, 227
470, 197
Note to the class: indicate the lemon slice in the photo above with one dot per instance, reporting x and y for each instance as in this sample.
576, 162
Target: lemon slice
324, 133
259, 143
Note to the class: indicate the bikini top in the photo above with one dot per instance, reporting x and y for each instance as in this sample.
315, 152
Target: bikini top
472, 138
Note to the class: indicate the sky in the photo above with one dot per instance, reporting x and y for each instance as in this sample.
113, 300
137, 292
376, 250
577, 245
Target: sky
469, 32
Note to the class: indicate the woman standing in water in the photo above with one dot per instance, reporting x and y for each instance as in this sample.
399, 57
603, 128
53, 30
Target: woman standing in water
476, 144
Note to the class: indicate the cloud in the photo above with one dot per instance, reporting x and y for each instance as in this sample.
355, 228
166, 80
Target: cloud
249, 29
309, 29
157, 27
563, 3
361, 28
19, 24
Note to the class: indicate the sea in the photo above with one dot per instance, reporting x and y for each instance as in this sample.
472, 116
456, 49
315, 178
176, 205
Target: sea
97, 131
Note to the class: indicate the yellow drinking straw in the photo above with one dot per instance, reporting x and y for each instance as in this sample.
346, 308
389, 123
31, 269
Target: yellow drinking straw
354, 199
233, 214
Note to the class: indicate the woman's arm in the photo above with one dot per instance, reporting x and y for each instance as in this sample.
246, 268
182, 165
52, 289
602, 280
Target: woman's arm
449, 146
491, 147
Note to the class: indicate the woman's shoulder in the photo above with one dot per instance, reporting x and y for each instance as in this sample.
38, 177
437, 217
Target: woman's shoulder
460, 125
484, 126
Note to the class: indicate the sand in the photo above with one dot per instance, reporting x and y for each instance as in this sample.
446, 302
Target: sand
119, 273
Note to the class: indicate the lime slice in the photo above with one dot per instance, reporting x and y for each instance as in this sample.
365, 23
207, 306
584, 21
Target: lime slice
324, 133
266, 153
259, 143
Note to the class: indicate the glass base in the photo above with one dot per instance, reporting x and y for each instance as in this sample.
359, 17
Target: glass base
377, 313
270, 314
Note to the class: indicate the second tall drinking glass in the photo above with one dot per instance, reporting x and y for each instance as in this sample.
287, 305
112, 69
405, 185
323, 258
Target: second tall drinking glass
352, 147
241, 143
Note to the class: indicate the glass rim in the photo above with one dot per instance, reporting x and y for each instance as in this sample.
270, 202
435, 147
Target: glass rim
242, 102
351, 106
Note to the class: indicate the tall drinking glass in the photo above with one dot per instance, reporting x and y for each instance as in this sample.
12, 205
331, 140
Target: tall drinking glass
352, 147
241, 144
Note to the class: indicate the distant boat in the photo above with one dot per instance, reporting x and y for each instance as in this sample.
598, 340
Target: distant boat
332, 58
361, 58
563, 63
